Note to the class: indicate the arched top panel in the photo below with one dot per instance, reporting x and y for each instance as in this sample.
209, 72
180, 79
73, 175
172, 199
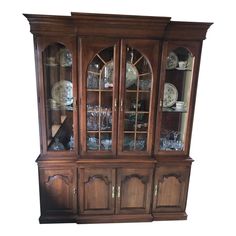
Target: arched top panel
57, 54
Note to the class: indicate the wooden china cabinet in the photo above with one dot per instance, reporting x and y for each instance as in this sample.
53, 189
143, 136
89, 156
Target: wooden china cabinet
116, 97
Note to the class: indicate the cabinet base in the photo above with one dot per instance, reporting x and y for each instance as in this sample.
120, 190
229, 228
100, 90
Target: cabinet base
170, 216
88, 219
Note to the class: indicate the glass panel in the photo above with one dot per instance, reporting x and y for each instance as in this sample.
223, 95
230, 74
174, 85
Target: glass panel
57, 62
176, 99
136, 101
99, 101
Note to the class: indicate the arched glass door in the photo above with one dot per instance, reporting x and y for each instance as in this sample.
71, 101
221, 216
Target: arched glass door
135, 104
100, 83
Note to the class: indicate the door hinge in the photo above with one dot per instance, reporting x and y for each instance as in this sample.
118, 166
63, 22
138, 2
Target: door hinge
118, 192
113, 192
155, 190
74, 191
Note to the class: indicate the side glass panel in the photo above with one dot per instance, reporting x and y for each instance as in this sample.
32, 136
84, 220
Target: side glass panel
57, 63
176, 99
99, 101
136, 101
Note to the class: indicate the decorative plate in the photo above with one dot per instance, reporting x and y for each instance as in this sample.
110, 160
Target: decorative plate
131, 75
65, 57
62, 92
172, 61
170, 95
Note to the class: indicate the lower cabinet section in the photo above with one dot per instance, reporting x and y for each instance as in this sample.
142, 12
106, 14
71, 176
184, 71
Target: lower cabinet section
94, 194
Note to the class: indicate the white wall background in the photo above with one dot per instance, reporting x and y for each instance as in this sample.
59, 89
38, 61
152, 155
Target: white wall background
211, 204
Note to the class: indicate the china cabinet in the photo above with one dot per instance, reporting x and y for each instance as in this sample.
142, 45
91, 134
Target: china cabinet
116, 98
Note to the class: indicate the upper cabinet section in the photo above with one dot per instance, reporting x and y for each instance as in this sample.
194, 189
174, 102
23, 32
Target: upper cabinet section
116, 85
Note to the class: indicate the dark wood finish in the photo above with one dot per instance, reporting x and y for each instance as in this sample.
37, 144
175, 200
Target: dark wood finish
115, 218
97, 188
133, 191
180, 30
170, 188
117, 186
58, 191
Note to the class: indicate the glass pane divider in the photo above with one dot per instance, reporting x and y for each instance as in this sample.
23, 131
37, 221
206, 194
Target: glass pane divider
101, 59
98, 90
93, 72
148, 73
99, 115
137, 60
138, 132
136, 113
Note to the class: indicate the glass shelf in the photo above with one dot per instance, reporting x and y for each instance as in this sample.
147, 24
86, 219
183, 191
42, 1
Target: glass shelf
179, 69
100, 90
170, 109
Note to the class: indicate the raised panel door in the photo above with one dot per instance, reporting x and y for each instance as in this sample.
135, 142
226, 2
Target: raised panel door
58, 191
170, 189
133, 191
97, 190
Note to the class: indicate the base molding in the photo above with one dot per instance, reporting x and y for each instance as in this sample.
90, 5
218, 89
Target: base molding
169, 216
57, 219
114, 218
88, 219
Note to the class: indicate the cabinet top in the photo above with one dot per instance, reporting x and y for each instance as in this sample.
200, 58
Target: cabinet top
119, 26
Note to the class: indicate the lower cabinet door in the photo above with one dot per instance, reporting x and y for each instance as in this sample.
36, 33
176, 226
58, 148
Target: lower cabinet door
133, 194
57, 191
97, 190
170, 189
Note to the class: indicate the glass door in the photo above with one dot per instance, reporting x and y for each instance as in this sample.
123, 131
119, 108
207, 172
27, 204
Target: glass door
136, 98
176, 104
59, 99
99, 96
100, 80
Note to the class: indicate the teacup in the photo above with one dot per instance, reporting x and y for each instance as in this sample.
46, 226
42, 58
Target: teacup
179, 105
183, 64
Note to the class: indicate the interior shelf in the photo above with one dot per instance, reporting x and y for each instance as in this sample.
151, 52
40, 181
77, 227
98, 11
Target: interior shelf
169, 109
